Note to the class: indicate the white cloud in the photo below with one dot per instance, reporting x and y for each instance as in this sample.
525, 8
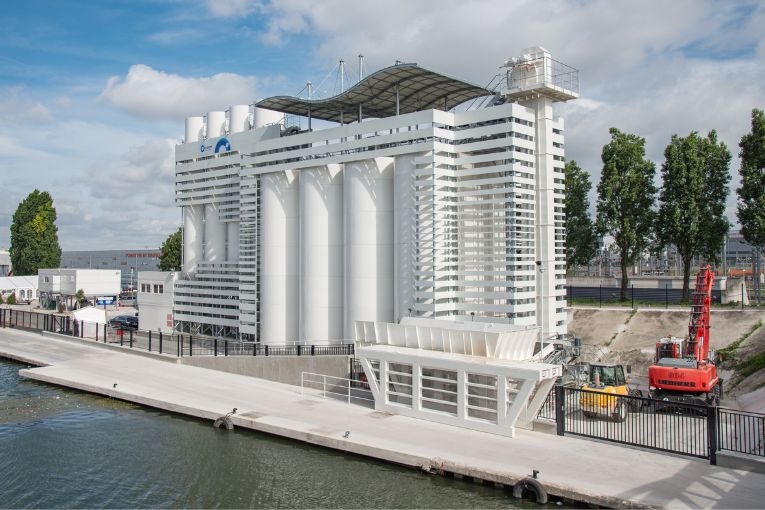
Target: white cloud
231, 8
146, 93
653, 68
143, 175
16, 108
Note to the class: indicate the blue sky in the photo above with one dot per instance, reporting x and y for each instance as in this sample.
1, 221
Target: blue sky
93, 93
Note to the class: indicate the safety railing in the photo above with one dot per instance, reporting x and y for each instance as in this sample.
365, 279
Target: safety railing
741, 432
175, 344
351, 391
679, 427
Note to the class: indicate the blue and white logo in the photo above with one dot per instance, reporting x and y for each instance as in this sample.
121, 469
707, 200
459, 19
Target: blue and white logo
223, 145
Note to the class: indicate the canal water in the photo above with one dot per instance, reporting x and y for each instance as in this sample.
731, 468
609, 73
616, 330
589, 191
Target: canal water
64, 448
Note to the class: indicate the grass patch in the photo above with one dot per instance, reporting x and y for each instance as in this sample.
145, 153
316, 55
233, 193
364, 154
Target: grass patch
731, 349
751, 365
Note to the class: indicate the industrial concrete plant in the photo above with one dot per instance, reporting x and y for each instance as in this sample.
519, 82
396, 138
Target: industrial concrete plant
421, 195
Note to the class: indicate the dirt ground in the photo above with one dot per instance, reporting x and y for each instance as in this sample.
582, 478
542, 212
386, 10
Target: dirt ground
631, 340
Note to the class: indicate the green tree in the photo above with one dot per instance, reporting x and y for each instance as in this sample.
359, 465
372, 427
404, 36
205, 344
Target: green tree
581, 241
626, 196
79, 297
34, 235
11, 299
170, 252
692, 199
751, 194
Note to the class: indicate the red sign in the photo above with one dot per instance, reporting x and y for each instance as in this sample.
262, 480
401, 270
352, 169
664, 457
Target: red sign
169, 320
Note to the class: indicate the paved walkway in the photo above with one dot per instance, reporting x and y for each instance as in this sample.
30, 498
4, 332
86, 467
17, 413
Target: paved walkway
595, 472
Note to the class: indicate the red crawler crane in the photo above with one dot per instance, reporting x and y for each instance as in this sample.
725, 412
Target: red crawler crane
684, 369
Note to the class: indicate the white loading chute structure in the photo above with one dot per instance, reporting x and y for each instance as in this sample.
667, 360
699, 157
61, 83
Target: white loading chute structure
469, 374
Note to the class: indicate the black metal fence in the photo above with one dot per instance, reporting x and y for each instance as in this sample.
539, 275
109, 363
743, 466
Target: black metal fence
175, 344
677, 427
598, 295
741, 432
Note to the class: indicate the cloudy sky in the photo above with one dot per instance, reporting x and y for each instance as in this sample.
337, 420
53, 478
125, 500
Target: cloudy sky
93, 94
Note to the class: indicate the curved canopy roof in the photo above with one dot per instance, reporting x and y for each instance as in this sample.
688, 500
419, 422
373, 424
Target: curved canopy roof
418, 89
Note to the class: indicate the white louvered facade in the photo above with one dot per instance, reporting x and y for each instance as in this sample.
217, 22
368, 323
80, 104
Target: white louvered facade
292, 237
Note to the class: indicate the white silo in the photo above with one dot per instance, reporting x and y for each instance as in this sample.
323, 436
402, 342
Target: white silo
232, 241
405, 255
215, 235
368, 218
216, 124
194, 128
321, 255
192, 236
239, 118
279, 256
262, 117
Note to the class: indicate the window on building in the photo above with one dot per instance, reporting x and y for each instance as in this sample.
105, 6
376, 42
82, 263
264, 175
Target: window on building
161, 289
156, 289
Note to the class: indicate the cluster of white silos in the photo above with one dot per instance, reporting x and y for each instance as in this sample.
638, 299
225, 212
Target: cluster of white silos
205, 236
327, 251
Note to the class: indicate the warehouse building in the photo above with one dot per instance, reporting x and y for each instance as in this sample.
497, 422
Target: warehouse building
422, 195
129, 262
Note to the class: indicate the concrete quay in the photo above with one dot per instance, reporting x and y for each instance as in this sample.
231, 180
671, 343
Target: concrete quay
587, 471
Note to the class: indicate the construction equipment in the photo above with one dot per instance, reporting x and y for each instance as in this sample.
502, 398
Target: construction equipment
684, 369
604, 385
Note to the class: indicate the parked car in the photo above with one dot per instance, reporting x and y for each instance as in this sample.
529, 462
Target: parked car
124, 322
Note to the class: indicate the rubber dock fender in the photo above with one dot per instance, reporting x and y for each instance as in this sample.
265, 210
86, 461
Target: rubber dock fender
533, 485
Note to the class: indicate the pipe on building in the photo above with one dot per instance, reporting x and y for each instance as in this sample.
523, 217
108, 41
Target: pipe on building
216, 124
215, 235
262, 117
192, 236
239, 118
321, 255
279, 256
194, 128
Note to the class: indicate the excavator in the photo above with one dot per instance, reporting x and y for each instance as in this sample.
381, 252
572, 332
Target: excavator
684, 368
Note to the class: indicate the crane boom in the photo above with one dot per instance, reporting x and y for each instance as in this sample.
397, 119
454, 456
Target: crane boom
682, 368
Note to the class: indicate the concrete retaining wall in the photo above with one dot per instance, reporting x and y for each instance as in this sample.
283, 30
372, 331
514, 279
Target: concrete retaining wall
283, 369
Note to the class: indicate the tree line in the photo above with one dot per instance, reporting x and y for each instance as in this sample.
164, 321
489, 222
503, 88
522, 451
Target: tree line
687, 211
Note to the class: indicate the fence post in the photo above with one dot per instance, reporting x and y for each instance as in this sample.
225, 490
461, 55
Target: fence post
122, 336
560, 410
266, 349
179, 346
216, 346
104, 332
666, 295
298, 349
742, 295
160, 342
97, 328
225, 347
82, 329
191, 341
712, 414
131, 338
633, 296
600, 294
149, 340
